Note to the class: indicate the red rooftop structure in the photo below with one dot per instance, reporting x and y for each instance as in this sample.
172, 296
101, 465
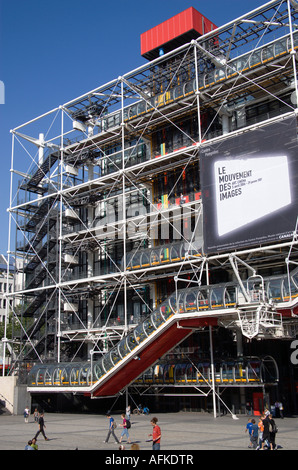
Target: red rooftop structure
174, 32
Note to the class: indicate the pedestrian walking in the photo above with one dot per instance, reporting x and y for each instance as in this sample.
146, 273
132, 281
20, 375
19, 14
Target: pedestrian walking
125, 424
156, 434
41, 428
276, 406
248, 408
128, 412
261, 429
112, 427
248, 429
254, 434
36, 415
266, 434
272, 432
26, 414
281, 410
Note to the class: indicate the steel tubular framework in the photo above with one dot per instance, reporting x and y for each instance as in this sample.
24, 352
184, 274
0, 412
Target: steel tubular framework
110, 208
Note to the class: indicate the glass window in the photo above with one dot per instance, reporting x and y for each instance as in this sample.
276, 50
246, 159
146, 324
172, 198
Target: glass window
191, 373
84, 375
240, 64
107, 361
175, 256
209, 78
123, 348
189, 87
154, 257
274, 289
148, 327
267, 53
131, 342
203, 300
255, 58
139, 334
141, 107
74, 377
287, 292
165, 255
216, 298
133, 111
40, 376
190, 301
115, 356
157, 318
56, 376
180, 370
169, 373
280, 46
136, 261
220, 74
178, 91
145, 260
230, 296
180, 301
171, 306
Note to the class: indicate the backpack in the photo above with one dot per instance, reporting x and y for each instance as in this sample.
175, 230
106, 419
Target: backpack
272, 427
114, 425
128, 424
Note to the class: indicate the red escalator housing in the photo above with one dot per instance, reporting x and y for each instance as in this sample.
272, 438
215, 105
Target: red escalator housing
149, 355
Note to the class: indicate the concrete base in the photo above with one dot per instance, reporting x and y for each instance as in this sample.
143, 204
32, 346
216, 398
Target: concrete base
15, 397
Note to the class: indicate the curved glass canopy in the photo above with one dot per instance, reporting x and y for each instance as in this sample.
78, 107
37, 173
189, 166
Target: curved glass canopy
247, 370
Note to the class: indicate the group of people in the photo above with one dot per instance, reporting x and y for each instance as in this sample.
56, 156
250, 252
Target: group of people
262, 434
39, 419
31, 445
126, 425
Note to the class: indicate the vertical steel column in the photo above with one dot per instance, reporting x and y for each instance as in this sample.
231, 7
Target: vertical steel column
211, 351
90, 263
41, 150
293, 53
60, 240
212, 371
4, 339
123, 209
197, 92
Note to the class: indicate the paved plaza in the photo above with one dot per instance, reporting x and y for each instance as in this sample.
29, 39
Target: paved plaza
183, 431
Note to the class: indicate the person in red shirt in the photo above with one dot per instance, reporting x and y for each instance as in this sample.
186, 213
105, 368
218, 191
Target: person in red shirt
156, 434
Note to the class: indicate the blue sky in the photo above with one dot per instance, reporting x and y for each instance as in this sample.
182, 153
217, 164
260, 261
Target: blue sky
54, 51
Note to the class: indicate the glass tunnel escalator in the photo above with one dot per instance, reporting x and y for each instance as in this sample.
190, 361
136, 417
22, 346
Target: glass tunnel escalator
159, 255
227, 371
213, 300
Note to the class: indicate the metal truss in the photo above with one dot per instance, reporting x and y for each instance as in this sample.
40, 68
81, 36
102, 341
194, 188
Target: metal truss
97, 195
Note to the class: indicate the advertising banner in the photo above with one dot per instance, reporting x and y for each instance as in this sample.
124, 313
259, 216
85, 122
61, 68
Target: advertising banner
249, 187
